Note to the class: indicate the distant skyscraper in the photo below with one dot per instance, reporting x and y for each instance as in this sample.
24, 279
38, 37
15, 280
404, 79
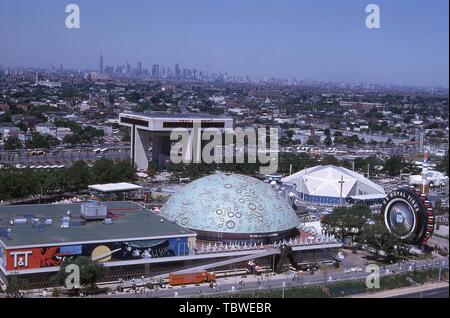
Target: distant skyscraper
100, 63
177, 71
169, 72
128, 68
155, 71
139, 67
187, 73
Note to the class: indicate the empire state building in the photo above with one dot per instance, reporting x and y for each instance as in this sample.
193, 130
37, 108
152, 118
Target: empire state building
100, 63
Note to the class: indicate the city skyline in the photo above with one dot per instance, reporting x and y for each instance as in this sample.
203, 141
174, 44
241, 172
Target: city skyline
262, 40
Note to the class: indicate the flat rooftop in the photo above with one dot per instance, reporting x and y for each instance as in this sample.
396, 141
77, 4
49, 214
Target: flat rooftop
129, 222
114, 187
165, 115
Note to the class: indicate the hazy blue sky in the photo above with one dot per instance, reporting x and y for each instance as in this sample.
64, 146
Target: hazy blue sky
306, 39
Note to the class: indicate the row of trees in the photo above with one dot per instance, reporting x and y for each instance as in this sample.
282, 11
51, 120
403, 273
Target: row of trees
37, 141
22, 183
358, 224
298, 162
392, 166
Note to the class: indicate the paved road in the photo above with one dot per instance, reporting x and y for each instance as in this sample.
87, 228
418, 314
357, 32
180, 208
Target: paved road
65, 157
252, 283
230, 284
433, 293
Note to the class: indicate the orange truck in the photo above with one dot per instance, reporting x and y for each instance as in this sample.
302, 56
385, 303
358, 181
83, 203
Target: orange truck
191, 278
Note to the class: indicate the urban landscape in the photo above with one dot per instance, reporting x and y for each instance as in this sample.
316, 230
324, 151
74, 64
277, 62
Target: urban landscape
327, 188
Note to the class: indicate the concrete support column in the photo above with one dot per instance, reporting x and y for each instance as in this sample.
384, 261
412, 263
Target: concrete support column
141, 141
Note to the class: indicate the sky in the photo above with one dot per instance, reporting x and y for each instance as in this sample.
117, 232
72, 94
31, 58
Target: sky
322, 40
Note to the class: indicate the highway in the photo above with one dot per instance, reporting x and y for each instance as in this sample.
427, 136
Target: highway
253, 283
433, 293
64, 156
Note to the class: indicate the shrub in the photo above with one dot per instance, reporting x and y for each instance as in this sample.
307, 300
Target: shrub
55, 292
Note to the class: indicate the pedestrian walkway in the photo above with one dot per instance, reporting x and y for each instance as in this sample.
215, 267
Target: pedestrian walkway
403, 291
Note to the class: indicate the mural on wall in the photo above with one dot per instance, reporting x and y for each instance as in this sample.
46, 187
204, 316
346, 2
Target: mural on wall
20, 259
2, 256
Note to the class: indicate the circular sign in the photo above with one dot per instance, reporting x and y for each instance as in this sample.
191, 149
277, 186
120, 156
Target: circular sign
408, 214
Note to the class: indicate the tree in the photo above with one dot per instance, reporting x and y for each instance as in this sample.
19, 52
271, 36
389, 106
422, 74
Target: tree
90, 271
394, 164
347, 221
311, 142
12, 290
105, 171
327, 141
389, 141
41, 141
133, 97
378, 237
13, 143
22, 183
78, 176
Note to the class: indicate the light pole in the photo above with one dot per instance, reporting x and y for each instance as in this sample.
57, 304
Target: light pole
340, 194
283, 285
303, 183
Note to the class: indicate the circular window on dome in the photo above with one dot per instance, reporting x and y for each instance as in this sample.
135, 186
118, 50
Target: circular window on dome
184, 221
230, 224
241, 201
228, 186
238, 215
252, 206
219, 211
230, 214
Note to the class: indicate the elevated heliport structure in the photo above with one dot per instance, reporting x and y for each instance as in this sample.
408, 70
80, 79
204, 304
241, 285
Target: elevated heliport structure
153, 129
